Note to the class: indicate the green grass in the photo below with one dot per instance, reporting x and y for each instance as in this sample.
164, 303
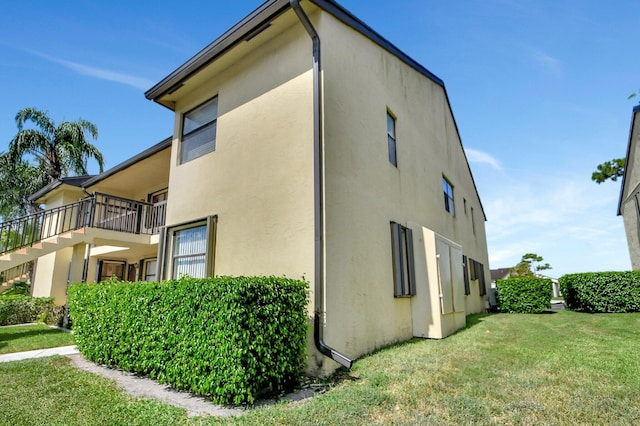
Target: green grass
31, 337
561, 368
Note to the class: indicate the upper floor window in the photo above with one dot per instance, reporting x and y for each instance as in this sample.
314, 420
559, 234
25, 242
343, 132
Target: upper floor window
391, 138
447, 188
473, 222
199, 131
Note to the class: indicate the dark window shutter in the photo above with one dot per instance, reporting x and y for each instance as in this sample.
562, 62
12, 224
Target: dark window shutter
465, 273
411, 290
396, 247
481, 281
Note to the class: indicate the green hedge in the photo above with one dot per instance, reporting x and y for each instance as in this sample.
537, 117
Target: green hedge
526, 295
227, 338
24, 309
602, 291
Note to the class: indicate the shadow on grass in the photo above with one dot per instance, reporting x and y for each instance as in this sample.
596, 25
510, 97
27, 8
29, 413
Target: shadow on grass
20, 334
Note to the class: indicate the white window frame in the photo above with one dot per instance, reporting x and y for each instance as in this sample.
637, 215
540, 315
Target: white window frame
145, 269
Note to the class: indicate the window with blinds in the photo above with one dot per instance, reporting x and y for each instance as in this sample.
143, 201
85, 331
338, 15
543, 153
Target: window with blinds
189, 255
199, 131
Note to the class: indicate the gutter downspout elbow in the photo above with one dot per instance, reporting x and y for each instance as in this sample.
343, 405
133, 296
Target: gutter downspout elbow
318, 192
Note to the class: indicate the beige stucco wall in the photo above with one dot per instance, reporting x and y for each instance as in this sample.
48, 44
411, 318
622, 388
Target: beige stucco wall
52, 270
364, 191
629, 207
259, 179
51, 275
139, 180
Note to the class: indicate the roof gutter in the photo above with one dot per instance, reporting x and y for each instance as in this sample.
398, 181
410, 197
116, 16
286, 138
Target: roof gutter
318, 176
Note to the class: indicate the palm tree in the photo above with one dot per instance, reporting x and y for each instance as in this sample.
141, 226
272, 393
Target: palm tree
59, 150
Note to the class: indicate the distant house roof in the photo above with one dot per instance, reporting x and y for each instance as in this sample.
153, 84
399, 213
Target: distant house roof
500, 273
72, 180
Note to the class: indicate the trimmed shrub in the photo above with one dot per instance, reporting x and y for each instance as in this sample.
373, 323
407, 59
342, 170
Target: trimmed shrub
24, 309
602, 291
525, 295
21, 288
227, 338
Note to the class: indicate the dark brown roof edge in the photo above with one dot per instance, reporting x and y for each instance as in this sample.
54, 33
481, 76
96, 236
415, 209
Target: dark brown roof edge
263, 14
71, 180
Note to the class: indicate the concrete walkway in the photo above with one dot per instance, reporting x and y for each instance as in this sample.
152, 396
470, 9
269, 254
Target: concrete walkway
147, 388
39, 353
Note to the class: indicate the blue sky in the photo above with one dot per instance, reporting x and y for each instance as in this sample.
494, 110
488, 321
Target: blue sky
538, 88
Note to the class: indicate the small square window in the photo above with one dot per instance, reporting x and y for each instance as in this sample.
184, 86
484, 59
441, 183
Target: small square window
448, 197
391, 139
199, 131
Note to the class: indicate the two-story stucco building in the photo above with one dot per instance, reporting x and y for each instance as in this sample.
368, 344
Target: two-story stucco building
305, 145
629, 203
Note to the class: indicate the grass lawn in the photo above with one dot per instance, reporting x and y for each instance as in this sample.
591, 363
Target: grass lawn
31, 337
557, 368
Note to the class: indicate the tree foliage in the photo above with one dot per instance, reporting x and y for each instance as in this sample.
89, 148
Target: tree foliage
60, 150
528, 266
18, 180
41, 153
609, 170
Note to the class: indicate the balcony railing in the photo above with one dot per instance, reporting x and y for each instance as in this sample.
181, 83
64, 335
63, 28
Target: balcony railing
99, 211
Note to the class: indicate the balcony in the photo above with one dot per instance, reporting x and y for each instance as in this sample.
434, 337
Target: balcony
101, 211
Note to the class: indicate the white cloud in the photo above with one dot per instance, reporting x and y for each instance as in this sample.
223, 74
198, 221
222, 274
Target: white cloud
475, 156
99, 73
564, 217
547, 63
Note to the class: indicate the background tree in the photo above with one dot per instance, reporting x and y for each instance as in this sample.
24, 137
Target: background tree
60, 150
528, 266
18, 181
609, 170
41, 154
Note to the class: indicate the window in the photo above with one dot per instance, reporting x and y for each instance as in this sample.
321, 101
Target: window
391, 138
473, 222
448, 196
158, 196
403, 266
111, 268
189, 254
199, 131
186, 249
150, 268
